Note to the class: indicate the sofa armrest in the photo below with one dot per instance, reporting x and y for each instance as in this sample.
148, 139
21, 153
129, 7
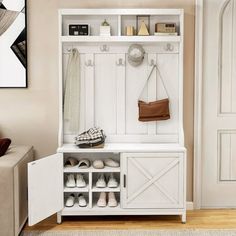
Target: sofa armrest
8, 164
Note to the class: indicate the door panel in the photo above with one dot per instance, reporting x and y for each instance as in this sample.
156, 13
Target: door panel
45, 187
219, 117
153, 180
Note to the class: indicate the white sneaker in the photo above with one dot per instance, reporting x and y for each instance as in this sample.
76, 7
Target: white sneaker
112, 182
70, 183
102, 200
70, 201
80, 182
101, 182
82, 201
112, 200
111, 163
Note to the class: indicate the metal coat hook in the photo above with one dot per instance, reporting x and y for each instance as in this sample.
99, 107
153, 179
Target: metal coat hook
120, 62
152, 63
89, 63
169, 47
104, 48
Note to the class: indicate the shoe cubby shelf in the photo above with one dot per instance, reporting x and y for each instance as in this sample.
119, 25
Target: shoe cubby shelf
106, 169
76, 190
99, 190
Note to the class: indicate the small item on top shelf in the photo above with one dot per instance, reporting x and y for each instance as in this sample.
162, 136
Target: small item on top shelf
165, 29
79, 30
143, 25
135, 55
84, 164
71, 161
98, 164
70, 201
92, 138
111, 163
105, 29
130, 30
70, 182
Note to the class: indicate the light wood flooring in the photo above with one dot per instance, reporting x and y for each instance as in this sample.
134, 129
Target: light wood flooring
197, 219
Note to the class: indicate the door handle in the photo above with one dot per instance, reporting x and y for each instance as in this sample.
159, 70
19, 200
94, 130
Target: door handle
124, 181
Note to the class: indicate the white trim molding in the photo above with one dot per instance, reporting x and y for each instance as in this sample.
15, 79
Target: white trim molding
198, 103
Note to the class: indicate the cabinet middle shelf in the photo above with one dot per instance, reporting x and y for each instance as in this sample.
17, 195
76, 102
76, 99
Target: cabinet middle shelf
106, 169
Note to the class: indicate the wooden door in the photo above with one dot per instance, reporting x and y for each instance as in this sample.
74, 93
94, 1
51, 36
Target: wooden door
45, 187
152, 180
219, 105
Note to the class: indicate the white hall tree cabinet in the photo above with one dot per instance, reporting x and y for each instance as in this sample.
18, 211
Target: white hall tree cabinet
152, 156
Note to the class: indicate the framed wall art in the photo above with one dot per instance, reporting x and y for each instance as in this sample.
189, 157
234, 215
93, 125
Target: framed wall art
13, 44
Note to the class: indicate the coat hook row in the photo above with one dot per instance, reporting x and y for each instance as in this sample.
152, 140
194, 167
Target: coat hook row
120, 62
89, 63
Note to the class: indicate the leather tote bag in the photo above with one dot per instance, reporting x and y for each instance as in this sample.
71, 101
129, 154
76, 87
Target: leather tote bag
156, 110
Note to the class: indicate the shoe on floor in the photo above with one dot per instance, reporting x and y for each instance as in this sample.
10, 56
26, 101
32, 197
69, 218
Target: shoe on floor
102, 200
101, 182
111, 163
70, 183
84, 164
112, 200
98, 164
112, 182
82, 201
70, 201
80, 182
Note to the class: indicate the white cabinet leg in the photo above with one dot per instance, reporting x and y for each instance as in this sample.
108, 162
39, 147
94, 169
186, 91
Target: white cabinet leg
183, 218
59, 218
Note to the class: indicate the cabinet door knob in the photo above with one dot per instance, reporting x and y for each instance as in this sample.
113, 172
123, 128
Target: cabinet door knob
124, 181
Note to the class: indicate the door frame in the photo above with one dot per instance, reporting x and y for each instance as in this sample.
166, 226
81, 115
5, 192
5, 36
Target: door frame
198, 91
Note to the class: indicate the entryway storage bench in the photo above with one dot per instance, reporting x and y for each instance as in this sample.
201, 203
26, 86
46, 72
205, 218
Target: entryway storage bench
152, 156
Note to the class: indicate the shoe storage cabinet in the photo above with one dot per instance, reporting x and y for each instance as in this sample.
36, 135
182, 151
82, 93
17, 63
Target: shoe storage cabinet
152, 156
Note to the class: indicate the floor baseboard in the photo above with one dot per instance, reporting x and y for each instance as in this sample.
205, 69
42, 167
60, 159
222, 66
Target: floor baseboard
189, 205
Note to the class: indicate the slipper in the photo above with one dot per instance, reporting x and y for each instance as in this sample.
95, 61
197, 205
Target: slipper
112, 182
111, 163
71, 161
98, 164
70, 183
84, 164
82, 201
70, 201
112, 202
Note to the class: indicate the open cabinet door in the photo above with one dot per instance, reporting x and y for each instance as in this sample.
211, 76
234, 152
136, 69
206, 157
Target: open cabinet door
45, 187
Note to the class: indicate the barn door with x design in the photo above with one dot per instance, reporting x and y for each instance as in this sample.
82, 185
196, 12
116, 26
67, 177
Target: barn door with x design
152, 180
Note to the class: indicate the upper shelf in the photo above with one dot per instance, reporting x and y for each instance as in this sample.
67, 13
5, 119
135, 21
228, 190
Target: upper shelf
87, 39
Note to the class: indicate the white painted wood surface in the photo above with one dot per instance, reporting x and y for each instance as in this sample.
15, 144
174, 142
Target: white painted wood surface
219, 120
45, 187
153, 180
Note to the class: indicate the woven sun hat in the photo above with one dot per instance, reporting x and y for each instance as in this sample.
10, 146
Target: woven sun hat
135, 54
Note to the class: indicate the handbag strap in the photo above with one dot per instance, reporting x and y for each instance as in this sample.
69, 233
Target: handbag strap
154, 66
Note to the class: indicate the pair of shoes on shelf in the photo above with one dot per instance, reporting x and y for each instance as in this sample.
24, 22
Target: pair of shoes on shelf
84, 164
92, 138
102, 201
70, 201
99, 164
73, 182
71, 162
112, 182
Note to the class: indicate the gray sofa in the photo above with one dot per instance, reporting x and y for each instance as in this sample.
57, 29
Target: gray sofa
13, 189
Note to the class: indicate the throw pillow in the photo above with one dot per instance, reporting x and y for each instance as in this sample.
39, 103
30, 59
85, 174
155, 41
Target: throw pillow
4, 144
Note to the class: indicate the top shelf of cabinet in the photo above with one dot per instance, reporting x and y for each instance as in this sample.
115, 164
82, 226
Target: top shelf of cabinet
120, 20
87, 39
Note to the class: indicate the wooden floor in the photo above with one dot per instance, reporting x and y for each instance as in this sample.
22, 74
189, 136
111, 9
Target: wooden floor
197, 219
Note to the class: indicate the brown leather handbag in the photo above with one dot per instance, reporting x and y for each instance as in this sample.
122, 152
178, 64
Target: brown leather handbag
157, 110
